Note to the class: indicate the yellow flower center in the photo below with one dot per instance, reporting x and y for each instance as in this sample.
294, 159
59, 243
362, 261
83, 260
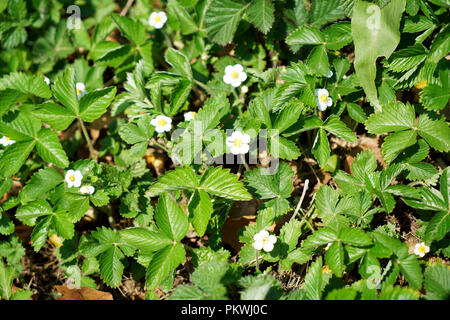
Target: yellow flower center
162, 122
422, 249
7, 138
157, 18
422, 84
193, 113
323, 97
72, 178
265, 240
326, 269
78, 91
234, 75
237, 142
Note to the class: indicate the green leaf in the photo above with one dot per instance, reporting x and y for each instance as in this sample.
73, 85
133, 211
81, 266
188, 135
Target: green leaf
318, 61
437, 282
290, 232
398, 293
180, 178
334, 258
321, 148
170, 218
50, 149
57, 117
412, 271
408, 58
438, 226
261, 14
354, 237
14, 157
40, 232
62, 225
187, 24
111, 268
220, 182
145, 240
397, 142
320, 237
26, 83
375, 33
304, 35
395, 116
264, 185
313, 280
6, 279
338, 128
435, 130
179, 62
323, 11
132, 30
65, 91
200, 210
163, 263
222, 19
94, 103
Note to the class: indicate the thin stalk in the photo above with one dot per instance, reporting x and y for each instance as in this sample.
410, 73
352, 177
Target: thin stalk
88, 140
244, 162
299, 204
256, 259
203, 86
160, 145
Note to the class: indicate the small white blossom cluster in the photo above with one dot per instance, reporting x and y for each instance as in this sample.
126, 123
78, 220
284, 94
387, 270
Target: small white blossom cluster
323, 99
421, 249
161, 123
234, 75
81, 89
264, 240
74, 179
6, 141
157, 19
238, 142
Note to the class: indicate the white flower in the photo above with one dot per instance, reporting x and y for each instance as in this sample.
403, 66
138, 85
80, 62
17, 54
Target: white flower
421, 249
87, 190
81, 89
328, 246
161, 123
73, 178
47, 80
329, 74
157, 19
5, 141
204, 56
263, 240
238, 142
244, 89
188, 116
234, 75
323, 99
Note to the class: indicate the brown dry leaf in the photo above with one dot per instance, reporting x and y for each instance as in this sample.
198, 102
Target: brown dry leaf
84, 293
156, 160
241, 214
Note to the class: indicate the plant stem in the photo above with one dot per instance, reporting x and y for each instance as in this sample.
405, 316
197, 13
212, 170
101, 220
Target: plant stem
126, 8
203, 86
88, 140
160, 145
244, 162
256, 259
299, 204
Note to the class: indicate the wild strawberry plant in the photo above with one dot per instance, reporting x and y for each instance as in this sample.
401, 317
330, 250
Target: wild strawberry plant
226, 149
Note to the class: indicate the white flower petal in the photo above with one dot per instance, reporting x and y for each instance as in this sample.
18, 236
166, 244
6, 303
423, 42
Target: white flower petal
238, 68
243, 149
257, 245
245, 138
268, 246
229, 70
272, 239
235, 150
